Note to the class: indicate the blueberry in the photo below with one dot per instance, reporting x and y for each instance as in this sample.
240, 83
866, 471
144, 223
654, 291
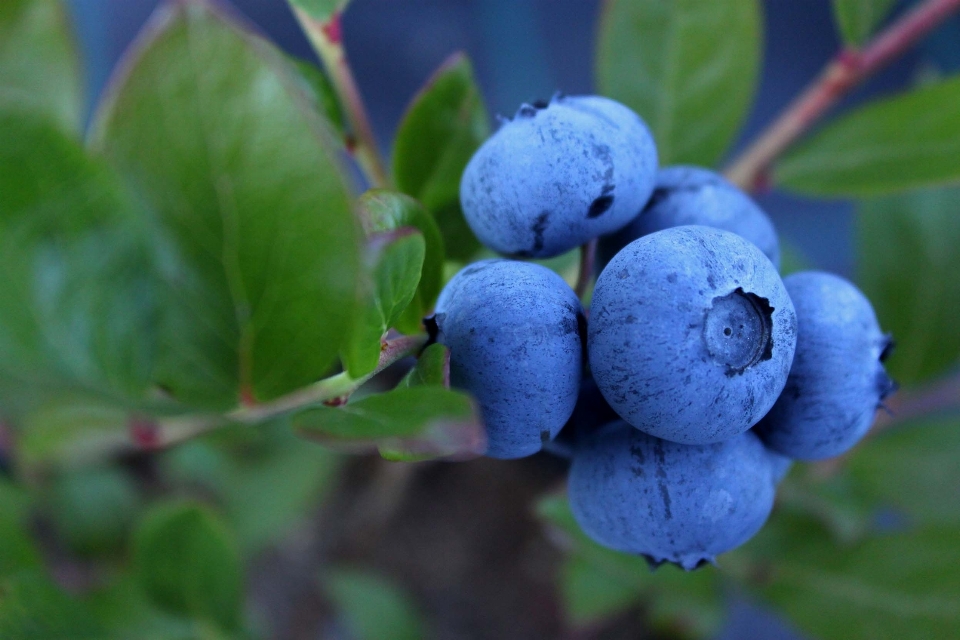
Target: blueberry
515, 333
558, 175
679, 503
692, 195
691, 334
779, 465
837, 381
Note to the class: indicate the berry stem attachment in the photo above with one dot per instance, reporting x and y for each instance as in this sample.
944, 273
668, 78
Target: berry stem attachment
848, 69
326, 38
588, 256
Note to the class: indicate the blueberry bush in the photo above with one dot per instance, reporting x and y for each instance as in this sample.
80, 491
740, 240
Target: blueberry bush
254, 378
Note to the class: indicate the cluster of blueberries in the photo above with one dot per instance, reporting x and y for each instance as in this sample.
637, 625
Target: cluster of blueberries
699, 374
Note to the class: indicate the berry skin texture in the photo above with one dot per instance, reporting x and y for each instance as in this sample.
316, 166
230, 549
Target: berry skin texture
837, 381
670, 502
514, 330
558, 175
691, 334
693, 195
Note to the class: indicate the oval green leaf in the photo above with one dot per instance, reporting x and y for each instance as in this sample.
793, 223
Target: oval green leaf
905, 142
857, 19
243, 176
688, 67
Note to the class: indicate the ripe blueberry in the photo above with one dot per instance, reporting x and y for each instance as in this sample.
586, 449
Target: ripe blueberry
514, 330
692, 195
691, 334
671, 502
837, 381
558, 175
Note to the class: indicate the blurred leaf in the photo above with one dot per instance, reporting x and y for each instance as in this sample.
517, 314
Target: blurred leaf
32, 607
394, 262
93, 510
373, 608
65, 229
892, 586
68, 431
408, 423
39, 61
907, 244
857, 19
792, 259
382, 210
914, 470
598, 582
433, 367
444, 124
889, 145
187, 561
18, 551
245, 178
322, 10
321, 91
669, 62
834, 502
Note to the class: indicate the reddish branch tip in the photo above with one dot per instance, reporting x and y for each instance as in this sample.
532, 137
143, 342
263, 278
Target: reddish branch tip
247, 399
339, 401
332, 30
144, 432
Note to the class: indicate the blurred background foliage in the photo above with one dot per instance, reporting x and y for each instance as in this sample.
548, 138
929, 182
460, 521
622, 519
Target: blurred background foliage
254, 531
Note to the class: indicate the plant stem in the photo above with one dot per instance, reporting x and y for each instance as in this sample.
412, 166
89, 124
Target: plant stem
847, 70
328, 43
588, 255
937, 398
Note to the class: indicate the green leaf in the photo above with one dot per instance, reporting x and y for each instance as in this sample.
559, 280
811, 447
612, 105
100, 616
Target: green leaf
444, 124
688, 67
68, 432
18, 551
66, 228
433, 367
92, 510
906, 245
321, 91
890, 145
857, 19
321, 10
383, 210
912, 470
32, 607
394, 261
39, 61
187, 561
243, 176
407, 423
904, 585
373, 608
597, 582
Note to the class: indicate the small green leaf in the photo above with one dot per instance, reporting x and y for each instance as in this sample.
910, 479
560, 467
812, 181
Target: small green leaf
904, 585
688, 67
598, 582
92, 510
890, 145
321, 91
67, 431
857, 19
373, 609
245, 179
406, 423
32, 607
395, 259
320, 10
912, 470
383, 210
18, 551
187, 561
444, 124
433, 367
39, 61
907, 244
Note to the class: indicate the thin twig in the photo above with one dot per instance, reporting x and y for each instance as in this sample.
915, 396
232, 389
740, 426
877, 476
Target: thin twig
847, 70
588, 255
326, 38
934, 399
